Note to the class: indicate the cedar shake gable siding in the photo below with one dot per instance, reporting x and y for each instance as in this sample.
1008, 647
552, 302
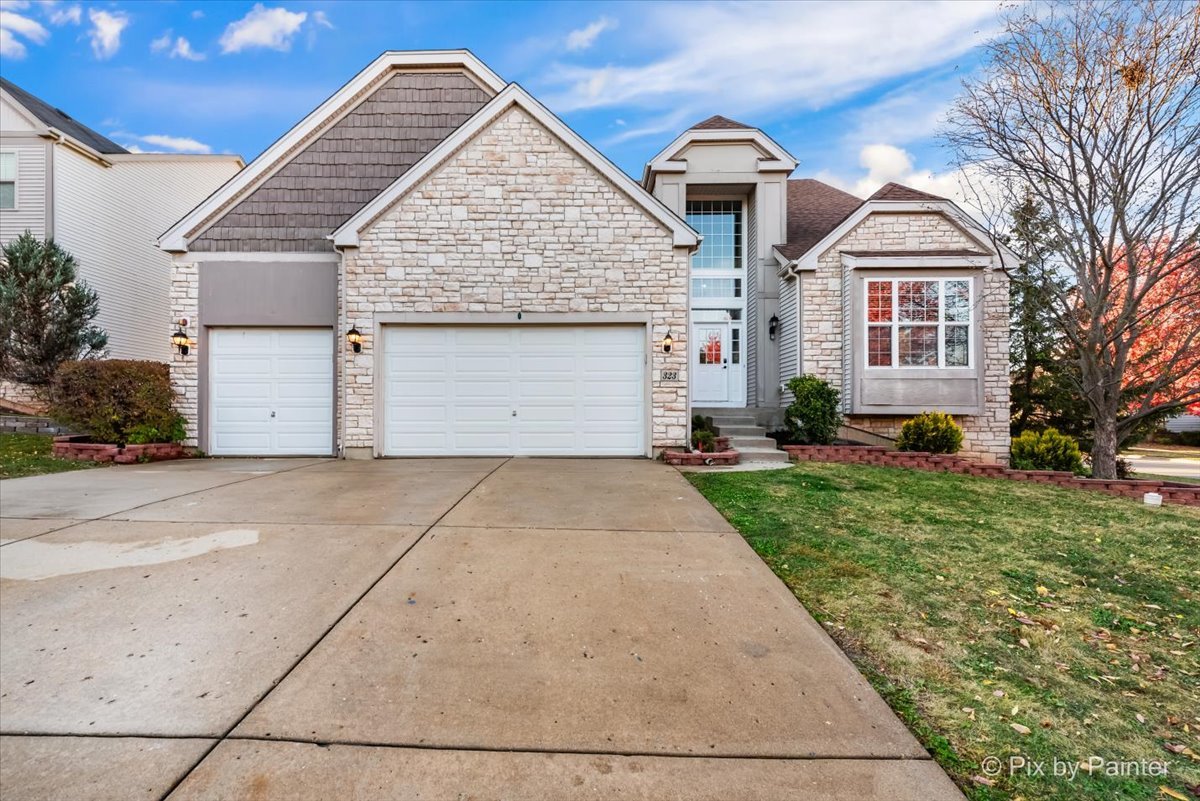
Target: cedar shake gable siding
340, 171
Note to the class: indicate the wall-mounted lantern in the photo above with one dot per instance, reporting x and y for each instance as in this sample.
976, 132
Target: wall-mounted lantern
354, 337
180, 340
772, 327
667, 342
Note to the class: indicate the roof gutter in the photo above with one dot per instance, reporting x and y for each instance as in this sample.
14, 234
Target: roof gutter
61, 138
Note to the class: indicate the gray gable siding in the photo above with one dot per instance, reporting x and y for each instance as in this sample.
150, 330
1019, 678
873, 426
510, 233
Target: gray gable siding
348, 165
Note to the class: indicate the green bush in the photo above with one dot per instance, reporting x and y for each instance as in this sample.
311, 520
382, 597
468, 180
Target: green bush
1046, 450
118, 401
701, 423
931, 432
814, 416
705, 441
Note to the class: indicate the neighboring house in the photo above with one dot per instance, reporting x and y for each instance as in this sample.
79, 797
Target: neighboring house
1183, 423
60, 179
511, 291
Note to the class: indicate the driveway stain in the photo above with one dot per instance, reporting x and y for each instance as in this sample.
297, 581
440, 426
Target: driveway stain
34, 561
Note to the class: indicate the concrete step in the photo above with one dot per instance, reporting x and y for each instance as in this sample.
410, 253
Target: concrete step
741, 431
762, 455
740, 443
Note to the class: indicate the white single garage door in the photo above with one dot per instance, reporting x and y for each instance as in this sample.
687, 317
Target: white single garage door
270, 391
514, 390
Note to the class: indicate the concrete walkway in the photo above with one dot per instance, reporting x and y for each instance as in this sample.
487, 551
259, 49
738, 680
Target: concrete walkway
445, 629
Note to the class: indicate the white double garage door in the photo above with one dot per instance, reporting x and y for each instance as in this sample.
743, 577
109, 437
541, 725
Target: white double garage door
445, 391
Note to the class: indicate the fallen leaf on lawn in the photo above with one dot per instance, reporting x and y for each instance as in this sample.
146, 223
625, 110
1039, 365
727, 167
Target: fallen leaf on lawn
1047, 723
998, 693
1024, 642
1174, 748
1016, 709
1140, 718
986, 782
970, 711
1169, 793
1042, 590
1019, 729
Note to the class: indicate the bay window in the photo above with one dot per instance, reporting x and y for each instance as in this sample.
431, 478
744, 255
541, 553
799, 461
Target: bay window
918, 322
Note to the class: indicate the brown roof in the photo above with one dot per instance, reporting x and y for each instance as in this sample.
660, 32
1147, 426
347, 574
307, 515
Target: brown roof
895, 191
813, 210
717, 121
945, 252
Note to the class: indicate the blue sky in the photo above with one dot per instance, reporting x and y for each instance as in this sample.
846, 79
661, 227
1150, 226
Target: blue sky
854, 90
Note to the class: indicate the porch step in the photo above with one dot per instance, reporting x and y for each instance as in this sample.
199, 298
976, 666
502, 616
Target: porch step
762, 454
742, 443
740, 430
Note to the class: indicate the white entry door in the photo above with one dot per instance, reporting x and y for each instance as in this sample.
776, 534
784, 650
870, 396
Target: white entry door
270, 391
514, 390
711, 382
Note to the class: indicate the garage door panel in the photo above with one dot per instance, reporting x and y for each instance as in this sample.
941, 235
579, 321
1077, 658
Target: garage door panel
256, 372
575, 390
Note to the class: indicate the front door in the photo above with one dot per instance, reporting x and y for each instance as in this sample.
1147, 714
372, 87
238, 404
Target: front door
710, 363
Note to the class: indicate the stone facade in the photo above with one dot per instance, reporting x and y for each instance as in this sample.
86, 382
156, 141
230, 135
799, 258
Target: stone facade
516, 221
826, 307
21, 397
185, 370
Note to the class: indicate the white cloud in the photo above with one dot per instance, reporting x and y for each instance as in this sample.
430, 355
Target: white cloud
885, 163
320, 18
272, 28
714, 57
106, 31
59, 15
159, 143
16, 27
585, 37
163, 42
175, 47
183, 49
197, 14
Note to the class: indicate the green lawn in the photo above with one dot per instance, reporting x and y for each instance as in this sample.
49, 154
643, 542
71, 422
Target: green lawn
29, 455
998, 618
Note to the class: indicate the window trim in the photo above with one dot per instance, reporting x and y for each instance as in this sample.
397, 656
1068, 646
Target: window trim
895, 323
16, 179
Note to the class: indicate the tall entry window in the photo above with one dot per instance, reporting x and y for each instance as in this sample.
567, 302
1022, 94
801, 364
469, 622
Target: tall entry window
720, 223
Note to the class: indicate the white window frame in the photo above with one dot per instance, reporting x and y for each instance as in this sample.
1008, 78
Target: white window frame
895, 323
16, 179
740, 273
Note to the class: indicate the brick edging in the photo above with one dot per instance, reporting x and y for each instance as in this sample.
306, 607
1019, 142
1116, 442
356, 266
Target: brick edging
882, 456
700, 457
70, 448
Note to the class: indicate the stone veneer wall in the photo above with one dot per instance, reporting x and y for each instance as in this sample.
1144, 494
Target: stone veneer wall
986, 435
516, 221
185, 370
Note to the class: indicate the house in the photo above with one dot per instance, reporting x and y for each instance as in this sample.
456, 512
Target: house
60, 179
432, 263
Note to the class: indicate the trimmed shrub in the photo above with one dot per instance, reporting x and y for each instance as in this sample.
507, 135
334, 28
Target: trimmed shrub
814, 415
701, 423
1046, 450
932, 432
118, 401
705, 441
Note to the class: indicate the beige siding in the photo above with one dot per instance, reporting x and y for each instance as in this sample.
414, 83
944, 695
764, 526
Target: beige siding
30, 213
110, 219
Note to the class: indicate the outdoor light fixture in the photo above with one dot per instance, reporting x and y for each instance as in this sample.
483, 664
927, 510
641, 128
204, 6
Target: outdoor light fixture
180, 340
355, 339
772, 326
667, 343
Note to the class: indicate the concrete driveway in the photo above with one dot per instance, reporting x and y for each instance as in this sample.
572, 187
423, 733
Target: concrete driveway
435, 629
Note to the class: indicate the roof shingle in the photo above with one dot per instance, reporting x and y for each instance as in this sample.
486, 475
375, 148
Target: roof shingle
895, 191
60, 120
717, 121
813, 210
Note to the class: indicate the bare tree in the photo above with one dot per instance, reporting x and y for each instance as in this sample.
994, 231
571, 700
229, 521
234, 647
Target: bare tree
1093, 109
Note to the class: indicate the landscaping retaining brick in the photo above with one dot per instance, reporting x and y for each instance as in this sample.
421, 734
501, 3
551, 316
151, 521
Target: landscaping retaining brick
880, 455
71, 448
699, 458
